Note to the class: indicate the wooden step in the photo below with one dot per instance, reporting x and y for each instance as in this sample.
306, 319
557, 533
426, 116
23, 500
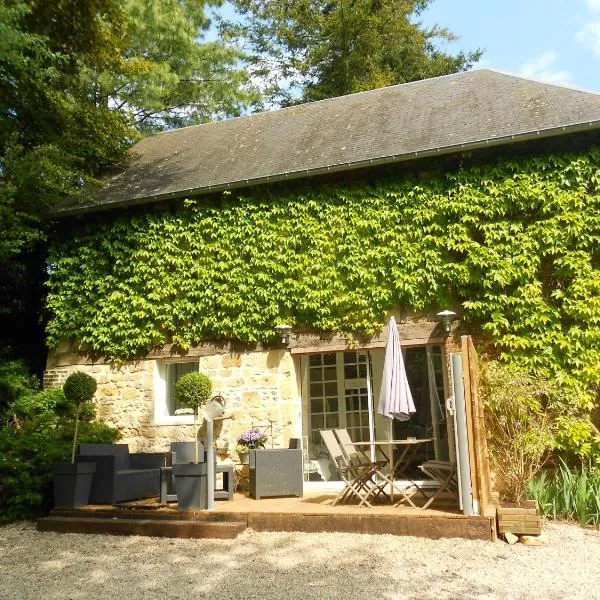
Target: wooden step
226, 530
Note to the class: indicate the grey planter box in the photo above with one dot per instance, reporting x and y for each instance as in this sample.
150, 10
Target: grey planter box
190, 481
73, 483
275, 472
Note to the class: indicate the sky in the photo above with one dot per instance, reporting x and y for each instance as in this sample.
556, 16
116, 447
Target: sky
557, 41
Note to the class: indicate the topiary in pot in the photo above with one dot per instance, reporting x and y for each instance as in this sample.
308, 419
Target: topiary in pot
193, 390
73, 481
79, 388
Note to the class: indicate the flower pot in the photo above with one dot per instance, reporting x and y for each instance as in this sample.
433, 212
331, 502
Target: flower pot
73, 483
243, 457
190, 485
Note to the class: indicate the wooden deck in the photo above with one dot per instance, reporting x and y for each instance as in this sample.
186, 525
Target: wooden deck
312, 513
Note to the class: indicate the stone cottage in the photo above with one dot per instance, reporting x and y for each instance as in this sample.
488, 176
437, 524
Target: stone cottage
136, 330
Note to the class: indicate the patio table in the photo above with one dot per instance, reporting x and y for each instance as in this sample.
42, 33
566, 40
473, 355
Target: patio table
401, 463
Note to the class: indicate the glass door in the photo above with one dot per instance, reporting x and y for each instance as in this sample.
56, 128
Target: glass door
424, 367
339, 395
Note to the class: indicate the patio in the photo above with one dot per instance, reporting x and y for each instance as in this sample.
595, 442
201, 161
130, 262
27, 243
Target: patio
312, 513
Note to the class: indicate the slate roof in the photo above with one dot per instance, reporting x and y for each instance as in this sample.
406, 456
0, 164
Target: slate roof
403, 122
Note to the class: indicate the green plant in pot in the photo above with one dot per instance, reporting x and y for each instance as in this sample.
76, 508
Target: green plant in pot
193, 390
73, 481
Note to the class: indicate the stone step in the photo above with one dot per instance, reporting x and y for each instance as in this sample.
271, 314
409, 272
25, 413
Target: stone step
226, 530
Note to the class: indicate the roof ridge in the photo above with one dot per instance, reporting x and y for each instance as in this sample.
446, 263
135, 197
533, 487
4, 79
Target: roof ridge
563, 86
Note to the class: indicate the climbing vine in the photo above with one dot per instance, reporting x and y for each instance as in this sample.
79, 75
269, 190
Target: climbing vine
515, 242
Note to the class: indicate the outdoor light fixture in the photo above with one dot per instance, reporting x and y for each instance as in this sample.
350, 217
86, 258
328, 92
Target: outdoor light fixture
447, 317
284, 333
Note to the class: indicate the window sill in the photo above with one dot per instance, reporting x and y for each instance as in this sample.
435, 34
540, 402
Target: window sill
175, 420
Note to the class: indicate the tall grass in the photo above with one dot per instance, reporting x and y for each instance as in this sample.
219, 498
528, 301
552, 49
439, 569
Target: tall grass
570, 494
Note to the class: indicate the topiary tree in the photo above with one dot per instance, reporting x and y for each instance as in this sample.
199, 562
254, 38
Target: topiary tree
193, 390
79, 388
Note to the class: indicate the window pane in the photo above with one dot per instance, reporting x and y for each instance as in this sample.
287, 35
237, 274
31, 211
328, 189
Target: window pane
332, 421
331, 388
362, 371
330, 374
349, 358
329, 359
316, 390
316, 405
173, 372
331, 405
314, 360
315, 374
317, 422
350, 372
353, 419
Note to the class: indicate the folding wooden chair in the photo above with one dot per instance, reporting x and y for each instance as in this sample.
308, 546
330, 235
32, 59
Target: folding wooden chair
444, 473
357, 458
359, 479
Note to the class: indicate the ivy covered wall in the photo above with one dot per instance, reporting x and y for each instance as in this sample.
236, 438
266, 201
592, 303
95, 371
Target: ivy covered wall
516, 243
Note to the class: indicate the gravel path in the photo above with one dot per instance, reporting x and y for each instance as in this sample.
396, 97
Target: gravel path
282, 565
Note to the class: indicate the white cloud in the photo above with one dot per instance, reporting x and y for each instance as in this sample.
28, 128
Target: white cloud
593, 4
541, 68
589, 35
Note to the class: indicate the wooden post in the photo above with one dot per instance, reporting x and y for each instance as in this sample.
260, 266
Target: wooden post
474, 467
478, 440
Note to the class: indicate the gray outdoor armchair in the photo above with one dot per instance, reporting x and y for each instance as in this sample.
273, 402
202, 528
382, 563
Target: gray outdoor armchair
121, 476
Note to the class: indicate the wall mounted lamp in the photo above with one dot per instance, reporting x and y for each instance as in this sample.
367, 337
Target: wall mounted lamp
284, 333
447, 316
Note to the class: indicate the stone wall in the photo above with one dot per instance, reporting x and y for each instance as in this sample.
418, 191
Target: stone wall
260, 388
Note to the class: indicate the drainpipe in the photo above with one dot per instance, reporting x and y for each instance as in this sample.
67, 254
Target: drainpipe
210, 466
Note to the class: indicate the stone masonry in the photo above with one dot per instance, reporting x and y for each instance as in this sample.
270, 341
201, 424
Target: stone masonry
259, 388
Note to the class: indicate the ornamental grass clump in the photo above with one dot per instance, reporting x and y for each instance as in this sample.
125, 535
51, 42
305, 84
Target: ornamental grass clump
79, 389
251, 440
193, 390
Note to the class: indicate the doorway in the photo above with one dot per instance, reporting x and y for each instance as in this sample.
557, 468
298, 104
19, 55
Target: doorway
341, 389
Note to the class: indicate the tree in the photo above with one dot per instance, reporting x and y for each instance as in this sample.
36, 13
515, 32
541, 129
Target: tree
307, 50
170, 78
80, 80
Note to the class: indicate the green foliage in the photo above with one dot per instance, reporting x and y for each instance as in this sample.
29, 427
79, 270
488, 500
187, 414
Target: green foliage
171, 76
79, 388
79, 81
325, 49
15, 381
29, 448
517, 243
521, 417
193, 390
570, 494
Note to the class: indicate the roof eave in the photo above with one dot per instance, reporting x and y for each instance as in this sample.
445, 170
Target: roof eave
338, 168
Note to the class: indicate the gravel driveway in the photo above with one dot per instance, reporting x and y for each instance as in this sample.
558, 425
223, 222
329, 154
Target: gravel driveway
294, 565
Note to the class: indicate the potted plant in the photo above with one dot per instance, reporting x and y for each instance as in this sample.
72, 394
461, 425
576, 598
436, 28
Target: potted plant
73, 481
193, 390
250, 440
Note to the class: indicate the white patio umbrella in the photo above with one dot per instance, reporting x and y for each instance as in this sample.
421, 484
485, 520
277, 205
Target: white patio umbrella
395, 397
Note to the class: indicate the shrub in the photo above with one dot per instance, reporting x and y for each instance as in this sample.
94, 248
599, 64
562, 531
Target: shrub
520, 417
79, 388
15, 381
193, 390
28, 454
569, 494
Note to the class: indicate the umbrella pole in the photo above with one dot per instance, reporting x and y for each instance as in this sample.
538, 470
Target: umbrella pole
370, 406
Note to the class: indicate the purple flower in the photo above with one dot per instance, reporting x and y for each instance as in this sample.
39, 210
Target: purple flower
254, 438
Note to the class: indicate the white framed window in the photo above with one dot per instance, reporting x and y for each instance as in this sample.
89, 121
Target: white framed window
166, 374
